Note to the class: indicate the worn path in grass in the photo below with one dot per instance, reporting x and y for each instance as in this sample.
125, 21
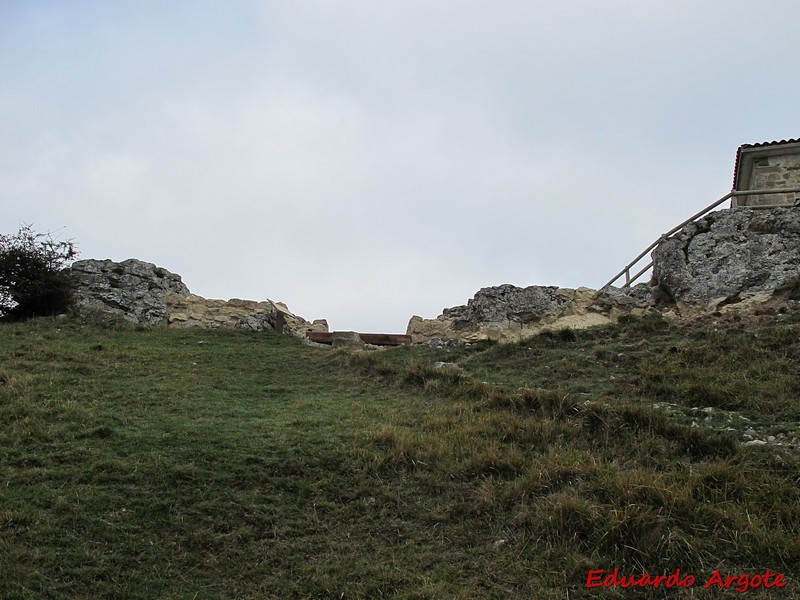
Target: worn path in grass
194, 464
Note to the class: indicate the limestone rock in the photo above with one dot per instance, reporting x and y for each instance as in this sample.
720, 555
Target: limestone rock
729, 255
347, 339
256, 322
637, 296
729, 261
614, 302
196, 311
319, 325
149, 295
505, 303
583, 321
131, 288
429, 329
508, 313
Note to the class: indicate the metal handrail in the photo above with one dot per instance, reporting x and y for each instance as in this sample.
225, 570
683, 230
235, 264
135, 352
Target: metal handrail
626, 271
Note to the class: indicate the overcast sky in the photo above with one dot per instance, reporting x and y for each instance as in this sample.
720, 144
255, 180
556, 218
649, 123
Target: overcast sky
365, 161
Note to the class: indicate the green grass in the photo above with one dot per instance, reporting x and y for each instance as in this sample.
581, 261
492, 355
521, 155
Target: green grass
193, 464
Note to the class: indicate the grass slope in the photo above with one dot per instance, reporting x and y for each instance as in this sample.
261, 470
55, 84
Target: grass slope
195, 464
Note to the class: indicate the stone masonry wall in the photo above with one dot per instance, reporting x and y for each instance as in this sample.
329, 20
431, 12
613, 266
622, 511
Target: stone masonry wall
780, 171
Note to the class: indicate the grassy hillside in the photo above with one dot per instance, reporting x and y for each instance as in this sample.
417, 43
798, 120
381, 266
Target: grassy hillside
194, 464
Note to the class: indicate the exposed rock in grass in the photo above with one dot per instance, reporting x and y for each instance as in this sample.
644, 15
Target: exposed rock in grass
149, 295
729, 257
132, 288
731, 261
508, 312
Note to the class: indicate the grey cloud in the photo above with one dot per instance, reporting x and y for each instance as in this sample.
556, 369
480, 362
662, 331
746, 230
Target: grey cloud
367, 161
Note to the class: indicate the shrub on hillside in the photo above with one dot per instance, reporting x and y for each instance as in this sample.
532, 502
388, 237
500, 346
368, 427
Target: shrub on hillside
33, 280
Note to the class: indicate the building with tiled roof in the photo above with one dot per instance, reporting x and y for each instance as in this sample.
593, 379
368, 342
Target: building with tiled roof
767, 166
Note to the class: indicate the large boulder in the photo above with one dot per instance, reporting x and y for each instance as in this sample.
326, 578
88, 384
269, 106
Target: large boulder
728, 256
132, 288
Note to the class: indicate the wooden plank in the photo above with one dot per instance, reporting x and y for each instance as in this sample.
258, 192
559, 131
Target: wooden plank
376, 339
385, 339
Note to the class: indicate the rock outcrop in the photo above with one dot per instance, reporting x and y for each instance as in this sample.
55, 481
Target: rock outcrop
729, 256
738, 260
730, 260
508, 312
133, 289
196, 311
149, 295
